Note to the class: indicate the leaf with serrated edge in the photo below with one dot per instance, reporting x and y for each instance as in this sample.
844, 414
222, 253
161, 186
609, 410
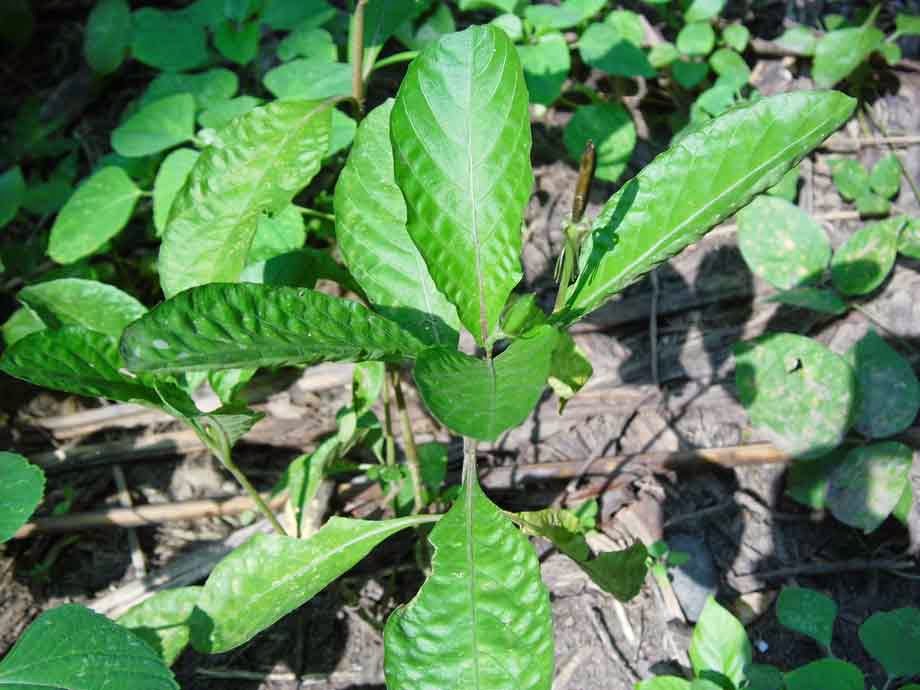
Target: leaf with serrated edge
370, 226
232, 326
73, 647
77, 302
480, 398
21, 487
162, 621
300, 569
461, 141
482, 619
696, 184
262, 159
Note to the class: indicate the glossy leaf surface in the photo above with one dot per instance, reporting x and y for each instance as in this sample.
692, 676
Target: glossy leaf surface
867, 485
312, 79
707, 176
262, 159
230, 326
78, 302
21, 488
720, 643
162, 621
460, 130
370, 216
278, 234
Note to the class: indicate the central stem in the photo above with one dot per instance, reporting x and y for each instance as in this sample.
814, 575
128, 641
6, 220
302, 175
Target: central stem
357, 56
469, 461
412, 463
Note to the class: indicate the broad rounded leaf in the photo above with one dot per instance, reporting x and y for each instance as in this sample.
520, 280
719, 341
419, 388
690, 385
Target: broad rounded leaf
889, 393
689, 74
260, 161
21, 323
546, 67
866, 258
162, 621
868, 484
482, 620
289, 14
788, 187
629, 24
798, 39
108, 31
611, 128
870, 204
697, 38
797, 390
299, 570
781, 243
172, 174
893, 637
156, 127
826, 673
731, 68
312, 79
221, 114
12, 192
909, 239
370, 217
720, 643
482, 399
736, 36
97, 211
711, 173
167, 40
21, 488
850, 177
604, 47
701, 10
663, 54
885, 177
816, 299
840, 52
238, 43
308, 42
233, 326
73, 647
461, 142
77, 302
209, 88
807, 612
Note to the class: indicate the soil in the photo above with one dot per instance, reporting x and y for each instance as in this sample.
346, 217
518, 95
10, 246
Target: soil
705, 300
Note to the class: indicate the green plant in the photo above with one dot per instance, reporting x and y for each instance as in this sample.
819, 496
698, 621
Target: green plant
722, 657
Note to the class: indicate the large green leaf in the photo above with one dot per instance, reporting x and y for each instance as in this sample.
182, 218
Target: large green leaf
156, 127
231, 326
312, 79
893, 637
299, 569
96, 212
480, 398
75, 360
711, 173
162, 621
461, 141
77, 302
262, 159
370, 225
277, 234
720, 643
604, 47
482, 619
73, 647
840, 52
21, 487
108, 31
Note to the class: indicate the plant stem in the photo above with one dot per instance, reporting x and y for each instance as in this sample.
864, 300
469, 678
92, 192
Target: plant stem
315, 214
390, 453
579, 202
415, 474
406, 56
357, 56
469, 461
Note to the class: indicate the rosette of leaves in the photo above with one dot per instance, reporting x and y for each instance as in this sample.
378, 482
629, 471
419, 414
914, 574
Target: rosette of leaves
871, 190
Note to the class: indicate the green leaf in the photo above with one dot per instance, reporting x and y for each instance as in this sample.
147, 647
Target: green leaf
209, 88
96, 212
342, 134
289, 14
381, 20
482, 399
696, 39
869, 204
238, 43
907, 24
798, 39
604, 47
567, 14
304, 476
788, 187
221, 114
162, 621
12, 191
107, 34
689, 74
611, 128
461, 142
731, 68
629, 24
892, 638
546, 66
73, 647
569, 370
781, 243
275, 235
764, 677
891, 52
167, 40
889, 393
850, 177
702, 10
719, 643
807, 612
863, 262
797, 390
521, 314
156, 127
663, 54
905, 505
313, 79
806, 482
826, 673
736, 36
232, 326
482, 619
21, 488
77, 302
172, 174
241, 582
664, 683
885, 177
77, 361
840, 52
370, 216
22, 322
867, 485
500, 5
308, 42
300, 268
909, 239
262, 159
511, 24
817, 299
710, 174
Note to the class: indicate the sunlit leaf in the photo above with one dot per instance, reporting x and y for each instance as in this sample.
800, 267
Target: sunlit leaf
172, 174
162, 621
156, 127
720, 643
77, 302
867, 485
22, 485
863, 262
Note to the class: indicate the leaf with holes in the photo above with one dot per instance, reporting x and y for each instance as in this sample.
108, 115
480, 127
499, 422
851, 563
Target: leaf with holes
162, 621
867, 485
807, 612
370, 217
867, 257
710, 174
21, 488
461, 142
78, 302
257, 165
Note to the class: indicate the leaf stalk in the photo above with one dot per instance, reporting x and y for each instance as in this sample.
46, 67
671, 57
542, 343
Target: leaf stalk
411, 450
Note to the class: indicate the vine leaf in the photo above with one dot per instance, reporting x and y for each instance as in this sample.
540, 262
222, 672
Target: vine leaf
461, 142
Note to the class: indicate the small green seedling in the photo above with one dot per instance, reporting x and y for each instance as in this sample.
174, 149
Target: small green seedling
871, 191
